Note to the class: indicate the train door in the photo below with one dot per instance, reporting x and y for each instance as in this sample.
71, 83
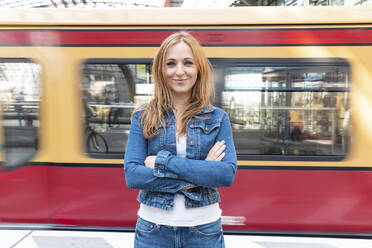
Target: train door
23, 191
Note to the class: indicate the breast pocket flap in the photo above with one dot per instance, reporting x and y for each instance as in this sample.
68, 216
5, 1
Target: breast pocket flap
208, 127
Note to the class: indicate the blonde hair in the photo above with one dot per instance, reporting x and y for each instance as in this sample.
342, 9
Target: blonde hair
153, 113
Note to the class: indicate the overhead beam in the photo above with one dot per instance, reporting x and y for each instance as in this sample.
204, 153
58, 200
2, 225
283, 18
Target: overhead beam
173, 3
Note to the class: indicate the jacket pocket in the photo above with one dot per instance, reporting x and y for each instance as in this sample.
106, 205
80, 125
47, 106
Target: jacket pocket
207, 132
208, 127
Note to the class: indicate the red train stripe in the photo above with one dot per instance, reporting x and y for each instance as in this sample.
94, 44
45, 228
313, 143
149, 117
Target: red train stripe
250, 37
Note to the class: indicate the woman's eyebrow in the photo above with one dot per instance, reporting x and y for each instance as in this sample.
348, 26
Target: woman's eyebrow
183, 58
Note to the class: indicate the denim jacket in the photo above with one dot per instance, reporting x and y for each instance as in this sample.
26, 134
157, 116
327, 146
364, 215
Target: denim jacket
193, 176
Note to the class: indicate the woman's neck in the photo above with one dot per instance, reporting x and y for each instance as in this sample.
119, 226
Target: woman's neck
179, 104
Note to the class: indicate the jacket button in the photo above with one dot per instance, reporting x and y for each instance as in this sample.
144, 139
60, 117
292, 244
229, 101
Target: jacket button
206, 129
190, 204
191, 143
192, 126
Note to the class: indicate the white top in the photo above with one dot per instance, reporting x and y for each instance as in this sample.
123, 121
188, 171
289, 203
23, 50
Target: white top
179, 215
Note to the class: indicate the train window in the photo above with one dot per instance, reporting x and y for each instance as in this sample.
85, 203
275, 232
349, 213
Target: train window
281, 108
286, 107
19, 99
110, 92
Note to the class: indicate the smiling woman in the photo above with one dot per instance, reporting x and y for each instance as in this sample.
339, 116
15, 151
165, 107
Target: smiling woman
180, 70
178, 166
165, 74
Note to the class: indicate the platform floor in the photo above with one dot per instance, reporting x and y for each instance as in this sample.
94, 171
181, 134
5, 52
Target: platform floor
90, 239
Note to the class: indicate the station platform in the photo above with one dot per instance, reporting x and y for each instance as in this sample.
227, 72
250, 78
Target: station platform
91, 239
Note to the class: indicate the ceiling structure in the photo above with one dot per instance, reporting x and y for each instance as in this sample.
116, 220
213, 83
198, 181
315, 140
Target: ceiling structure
113, 3
172, 3
79, 3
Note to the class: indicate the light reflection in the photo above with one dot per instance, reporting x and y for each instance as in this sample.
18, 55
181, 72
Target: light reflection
274, 110
19, 98
286, 110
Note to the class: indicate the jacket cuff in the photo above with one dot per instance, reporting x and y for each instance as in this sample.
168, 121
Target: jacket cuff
160, 169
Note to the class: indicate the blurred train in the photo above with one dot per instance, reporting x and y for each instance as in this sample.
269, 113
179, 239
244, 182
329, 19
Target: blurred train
296, 83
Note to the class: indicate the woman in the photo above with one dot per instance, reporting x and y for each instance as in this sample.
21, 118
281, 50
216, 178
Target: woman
180, 150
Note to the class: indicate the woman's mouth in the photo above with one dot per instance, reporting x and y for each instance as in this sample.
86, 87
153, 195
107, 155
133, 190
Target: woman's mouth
180, 80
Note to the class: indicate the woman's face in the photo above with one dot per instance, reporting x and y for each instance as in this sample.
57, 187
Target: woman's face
180, 70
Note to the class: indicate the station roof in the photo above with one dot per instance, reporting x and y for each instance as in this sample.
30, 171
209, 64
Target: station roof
113, 3
182, 17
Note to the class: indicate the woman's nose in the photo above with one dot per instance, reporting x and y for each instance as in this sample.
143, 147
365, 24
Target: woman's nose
180, 70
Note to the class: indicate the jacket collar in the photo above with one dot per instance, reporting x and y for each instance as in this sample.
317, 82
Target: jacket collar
207, 109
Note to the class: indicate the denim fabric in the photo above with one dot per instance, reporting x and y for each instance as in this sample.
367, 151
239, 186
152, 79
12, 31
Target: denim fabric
151, 235
172, 173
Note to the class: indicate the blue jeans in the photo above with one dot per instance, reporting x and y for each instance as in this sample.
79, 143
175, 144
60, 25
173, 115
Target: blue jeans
151, 235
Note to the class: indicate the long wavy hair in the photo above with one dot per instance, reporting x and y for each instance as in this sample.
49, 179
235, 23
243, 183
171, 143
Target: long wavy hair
152, 116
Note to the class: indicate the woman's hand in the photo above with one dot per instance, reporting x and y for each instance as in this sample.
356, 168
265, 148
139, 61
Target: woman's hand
150, 161
216, 153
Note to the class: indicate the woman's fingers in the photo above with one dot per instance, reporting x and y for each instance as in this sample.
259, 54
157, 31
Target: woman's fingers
216, 151
150, 161
220, 149
221, 156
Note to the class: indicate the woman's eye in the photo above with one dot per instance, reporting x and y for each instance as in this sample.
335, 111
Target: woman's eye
170, 64
189, 63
